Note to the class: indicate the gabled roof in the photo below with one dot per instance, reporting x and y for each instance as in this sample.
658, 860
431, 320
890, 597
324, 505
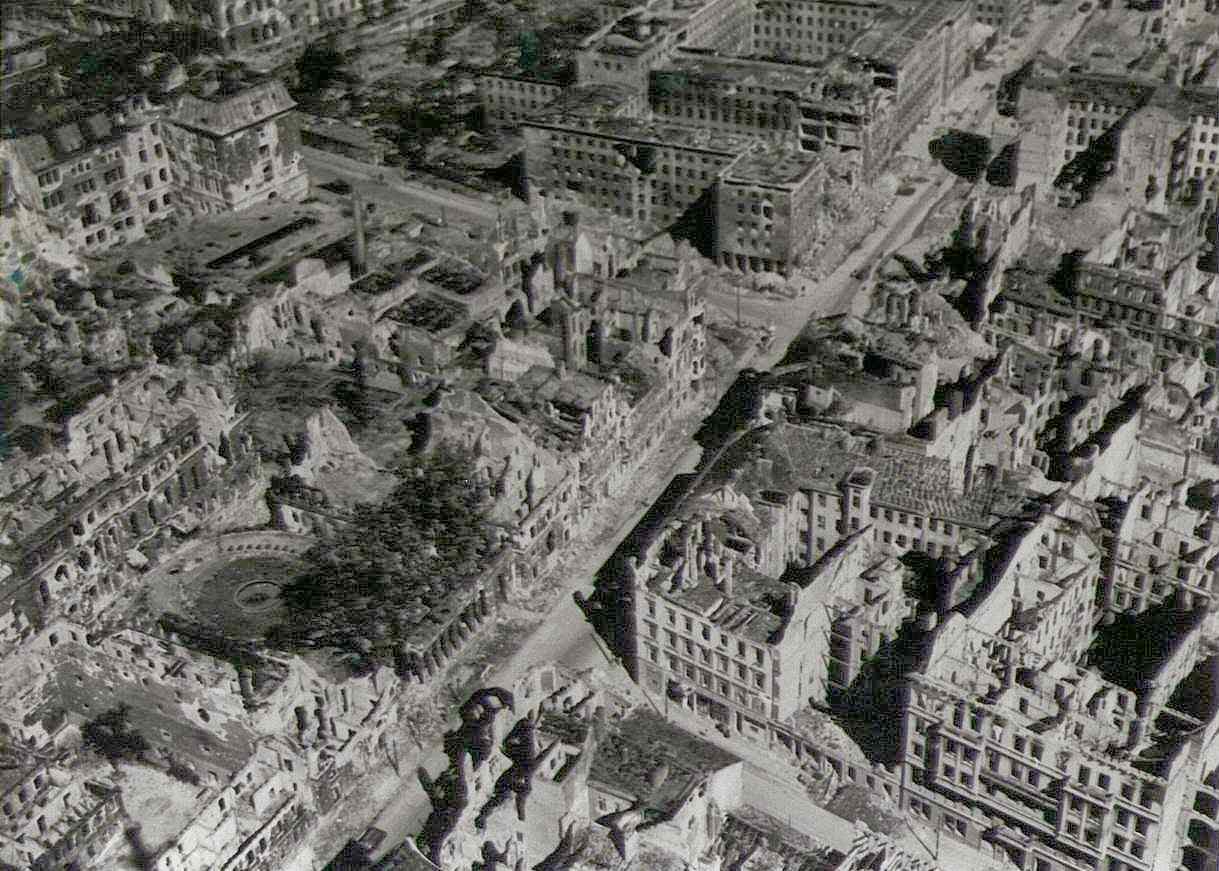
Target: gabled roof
221, 116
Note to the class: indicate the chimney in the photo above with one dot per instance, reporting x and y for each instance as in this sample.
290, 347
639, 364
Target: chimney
359, 251
727, 587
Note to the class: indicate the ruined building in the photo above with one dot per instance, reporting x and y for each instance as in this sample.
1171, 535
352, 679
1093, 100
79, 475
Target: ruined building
556, 773
667, 111
243, 751
100, 181
234, 150
129, 476
262, 33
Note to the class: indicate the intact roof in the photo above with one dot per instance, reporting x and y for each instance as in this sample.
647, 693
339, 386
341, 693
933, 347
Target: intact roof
229, 114
655, 763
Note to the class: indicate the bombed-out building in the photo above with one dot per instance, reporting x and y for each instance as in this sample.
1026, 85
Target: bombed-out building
560, 771
129, 476
105, 174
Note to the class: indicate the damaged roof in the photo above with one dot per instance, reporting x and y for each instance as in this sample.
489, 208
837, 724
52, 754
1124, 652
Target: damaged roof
658, 765
220, 117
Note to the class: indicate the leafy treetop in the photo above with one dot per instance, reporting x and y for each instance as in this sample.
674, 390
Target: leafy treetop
359, 585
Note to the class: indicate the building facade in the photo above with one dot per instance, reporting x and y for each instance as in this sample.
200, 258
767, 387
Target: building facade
232, 151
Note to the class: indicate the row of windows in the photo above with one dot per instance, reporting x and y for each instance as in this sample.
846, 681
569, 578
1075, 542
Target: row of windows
705, 630
764, 122
748, 263
1037, 750
513, 85
615, 66
708, 657
709, 681
819, 37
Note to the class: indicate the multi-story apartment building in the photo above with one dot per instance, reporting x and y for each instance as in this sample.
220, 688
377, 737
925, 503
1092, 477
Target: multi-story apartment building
703, 86
731, 95
626, 50
1202, 154
1000, 15
99, 182
1094, 105
511, 96
713, 627
764, 206
1012, 741
920, 52
845, 114
660, 173
1146, 276
1157, 549
234, 150
710, 613
834, 107
811, 30
649, 172
1028, 723
1156, 138
721, 26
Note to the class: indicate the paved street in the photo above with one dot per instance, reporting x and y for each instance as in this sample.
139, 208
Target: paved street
564, 635
972, 109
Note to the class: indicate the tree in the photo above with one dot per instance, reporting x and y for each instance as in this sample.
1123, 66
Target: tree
432, 528
318, 68
530, 50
